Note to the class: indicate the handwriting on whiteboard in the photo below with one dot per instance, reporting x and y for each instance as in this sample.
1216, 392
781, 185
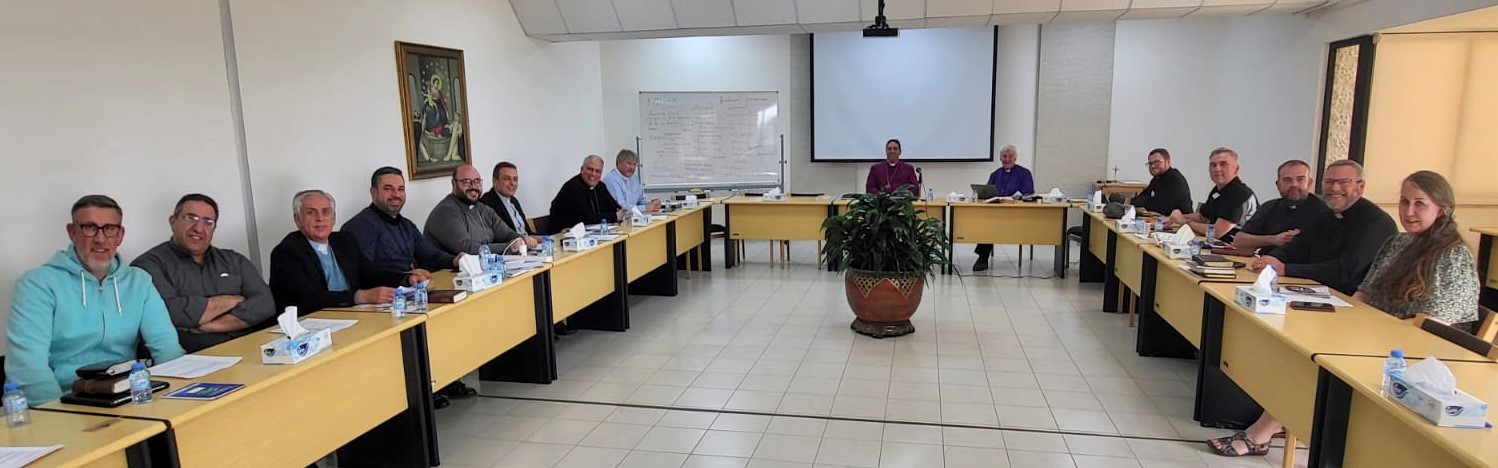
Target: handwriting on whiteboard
710, 138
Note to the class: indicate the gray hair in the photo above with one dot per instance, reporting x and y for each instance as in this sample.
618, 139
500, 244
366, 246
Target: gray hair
626, 155
1348, 163
1224, 149
296, 201
1009, 148
591, 158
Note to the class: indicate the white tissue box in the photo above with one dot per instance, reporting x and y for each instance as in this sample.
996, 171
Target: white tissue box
957, 198
773, 196
1131, 227
1176, 251
1054, 199
1259, 303
286, 350
639, 220
579, 244
690, 202
476, 283
1456, 410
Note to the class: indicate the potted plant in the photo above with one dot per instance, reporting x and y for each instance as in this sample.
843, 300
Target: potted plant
888, 250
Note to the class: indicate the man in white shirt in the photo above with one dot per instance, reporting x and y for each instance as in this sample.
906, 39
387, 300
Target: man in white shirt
624, 184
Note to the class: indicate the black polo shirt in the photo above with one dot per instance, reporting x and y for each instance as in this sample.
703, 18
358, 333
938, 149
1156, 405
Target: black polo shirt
1234, 202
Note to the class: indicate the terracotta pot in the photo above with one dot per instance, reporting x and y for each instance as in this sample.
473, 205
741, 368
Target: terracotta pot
883, 302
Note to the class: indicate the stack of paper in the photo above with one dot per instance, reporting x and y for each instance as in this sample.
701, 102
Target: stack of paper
192, 366
22, 456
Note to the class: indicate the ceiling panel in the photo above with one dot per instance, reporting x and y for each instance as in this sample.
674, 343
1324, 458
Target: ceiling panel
956, 21
1156, 13
1100, 16
1293, 6
1094, 5
1022, 18
827, 11
942, 8
1146, 4
893, 9
539, 17
636, 15
1002, 7
702, 13
1237, 9
764, 12
833, 27
585, 16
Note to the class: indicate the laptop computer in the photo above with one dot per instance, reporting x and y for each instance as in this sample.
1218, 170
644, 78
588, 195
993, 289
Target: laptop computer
984, 191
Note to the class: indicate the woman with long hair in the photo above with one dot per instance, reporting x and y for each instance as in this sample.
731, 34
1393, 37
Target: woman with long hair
1427, 269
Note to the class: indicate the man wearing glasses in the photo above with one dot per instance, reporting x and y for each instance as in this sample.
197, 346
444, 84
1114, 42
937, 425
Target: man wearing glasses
460, 224
213, 295
84, 306
1338, 247
1168, 190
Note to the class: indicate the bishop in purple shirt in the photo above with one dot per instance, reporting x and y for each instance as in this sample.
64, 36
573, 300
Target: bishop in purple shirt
890, 175
1008, 179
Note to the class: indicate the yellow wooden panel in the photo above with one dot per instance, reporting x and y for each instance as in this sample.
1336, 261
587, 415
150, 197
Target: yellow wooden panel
463, 336
645, 250
585, 278
978, 223
95, 448
1128, 259
771, 221
299, 420
689, 231
1276, 376
1377, 438
1179, 301
1097, 240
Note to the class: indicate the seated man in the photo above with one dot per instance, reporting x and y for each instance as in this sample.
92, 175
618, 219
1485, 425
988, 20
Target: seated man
314, 268
1168, 190
1229, 199
502, 197
1279, 220
82, 307
624, 185
581, 201
1008, 179
1336, 249
391, 241
213, 295
460, 224
892, 175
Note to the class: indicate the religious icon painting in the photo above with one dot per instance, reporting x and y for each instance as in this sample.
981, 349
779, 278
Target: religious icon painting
434, 109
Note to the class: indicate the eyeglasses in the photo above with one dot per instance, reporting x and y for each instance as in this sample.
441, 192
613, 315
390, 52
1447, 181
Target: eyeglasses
91, 230
471, 182
1154, 163
209, 223
1338, 182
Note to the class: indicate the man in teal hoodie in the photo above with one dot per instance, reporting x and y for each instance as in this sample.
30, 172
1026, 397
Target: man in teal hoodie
84, 306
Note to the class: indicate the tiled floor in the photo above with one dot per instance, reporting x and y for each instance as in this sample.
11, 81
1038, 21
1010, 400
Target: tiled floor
756, 366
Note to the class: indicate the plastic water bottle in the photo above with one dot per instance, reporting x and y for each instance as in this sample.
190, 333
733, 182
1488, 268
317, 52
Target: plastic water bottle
930, 194
17, 410
546, 246
1159, 224
420, 297
140, 384
398, 305
1211, 231
485, 256
1393, 366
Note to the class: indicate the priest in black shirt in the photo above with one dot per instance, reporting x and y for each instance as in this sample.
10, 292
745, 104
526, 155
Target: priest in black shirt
1278, 221
1168, 191
1229, 199
583, 199
1337, 248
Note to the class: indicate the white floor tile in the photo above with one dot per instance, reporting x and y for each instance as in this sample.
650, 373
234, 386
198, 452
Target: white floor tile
849, 452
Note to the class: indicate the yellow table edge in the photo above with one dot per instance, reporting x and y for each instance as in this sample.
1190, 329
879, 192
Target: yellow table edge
1334, 363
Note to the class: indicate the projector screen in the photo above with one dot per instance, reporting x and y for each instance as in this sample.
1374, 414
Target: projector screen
930, 88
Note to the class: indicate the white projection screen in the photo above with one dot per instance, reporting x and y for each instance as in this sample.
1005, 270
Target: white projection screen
930, 88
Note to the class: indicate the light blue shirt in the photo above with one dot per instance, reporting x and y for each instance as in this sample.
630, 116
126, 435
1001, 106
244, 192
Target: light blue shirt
330, 271
627, 191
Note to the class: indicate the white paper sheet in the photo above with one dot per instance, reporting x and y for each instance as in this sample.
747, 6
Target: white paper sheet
192, 366
333, 325
17, 457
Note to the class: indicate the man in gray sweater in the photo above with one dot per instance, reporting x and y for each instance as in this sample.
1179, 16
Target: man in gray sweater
460, 224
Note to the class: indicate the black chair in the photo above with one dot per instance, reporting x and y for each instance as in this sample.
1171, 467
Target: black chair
1457, 336
538, 224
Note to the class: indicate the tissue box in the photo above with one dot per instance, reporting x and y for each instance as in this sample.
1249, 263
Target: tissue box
1131, 227
579, 244
286, 350
957, 198
1457, 410
1176, 251
1054, 199
773, 196
476, 283
639, 220
1259, 303
690, 202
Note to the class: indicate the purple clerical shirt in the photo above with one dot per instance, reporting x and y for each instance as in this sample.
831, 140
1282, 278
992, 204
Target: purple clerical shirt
887, 178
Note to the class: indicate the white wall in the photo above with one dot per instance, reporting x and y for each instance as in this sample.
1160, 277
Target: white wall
322, 107
127, 99
1251, 84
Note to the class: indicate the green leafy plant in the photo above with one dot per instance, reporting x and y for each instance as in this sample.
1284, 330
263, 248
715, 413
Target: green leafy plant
885, 233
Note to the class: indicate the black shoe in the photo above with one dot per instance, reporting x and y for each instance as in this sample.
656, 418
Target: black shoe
439, 401
562, 330
981, 265
458, 391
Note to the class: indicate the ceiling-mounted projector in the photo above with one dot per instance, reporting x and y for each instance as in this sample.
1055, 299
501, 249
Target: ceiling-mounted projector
880, 28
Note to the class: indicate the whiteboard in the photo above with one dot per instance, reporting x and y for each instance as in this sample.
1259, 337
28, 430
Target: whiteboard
709, 139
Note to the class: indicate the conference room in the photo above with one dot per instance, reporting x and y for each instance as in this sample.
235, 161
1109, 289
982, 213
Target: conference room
721, 330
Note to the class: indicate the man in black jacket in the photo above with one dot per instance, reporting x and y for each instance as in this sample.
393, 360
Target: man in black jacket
1168, 190
502, 197
1230, 198
314, 268
1337, 249
583, 199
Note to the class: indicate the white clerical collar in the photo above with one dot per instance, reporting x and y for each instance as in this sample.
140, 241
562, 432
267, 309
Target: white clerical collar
320, 247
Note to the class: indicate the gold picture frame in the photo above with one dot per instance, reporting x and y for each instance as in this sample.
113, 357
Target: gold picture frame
434, 109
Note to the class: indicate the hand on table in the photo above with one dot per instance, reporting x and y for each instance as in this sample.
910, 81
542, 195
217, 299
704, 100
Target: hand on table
380, 295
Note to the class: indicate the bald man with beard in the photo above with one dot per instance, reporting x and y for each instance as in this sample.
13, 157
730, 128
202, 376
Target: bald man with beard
460, 224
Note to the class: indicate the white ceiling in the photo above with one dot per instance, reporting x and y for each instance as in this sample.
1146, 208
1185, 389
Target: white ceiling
580, 20
1482, 20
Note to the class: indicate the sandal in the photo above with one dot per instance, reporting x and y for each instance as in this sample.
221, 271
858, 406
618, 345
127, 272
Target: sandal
1224, 446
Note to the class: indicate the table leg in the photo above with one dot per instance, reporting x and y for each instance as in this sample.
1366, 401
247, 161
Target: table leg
1329, 423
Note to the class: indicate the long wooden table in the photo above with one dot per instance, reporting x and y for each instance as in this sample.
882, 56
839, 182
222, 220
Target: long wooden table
365, 395
1012, 223
87, 440
753, 218
1356, 426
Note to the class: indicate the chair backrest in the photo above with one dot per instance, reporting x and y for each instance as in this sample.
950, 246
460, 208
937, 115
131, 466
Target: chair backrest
1487, 324
1455, 335
538, 224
